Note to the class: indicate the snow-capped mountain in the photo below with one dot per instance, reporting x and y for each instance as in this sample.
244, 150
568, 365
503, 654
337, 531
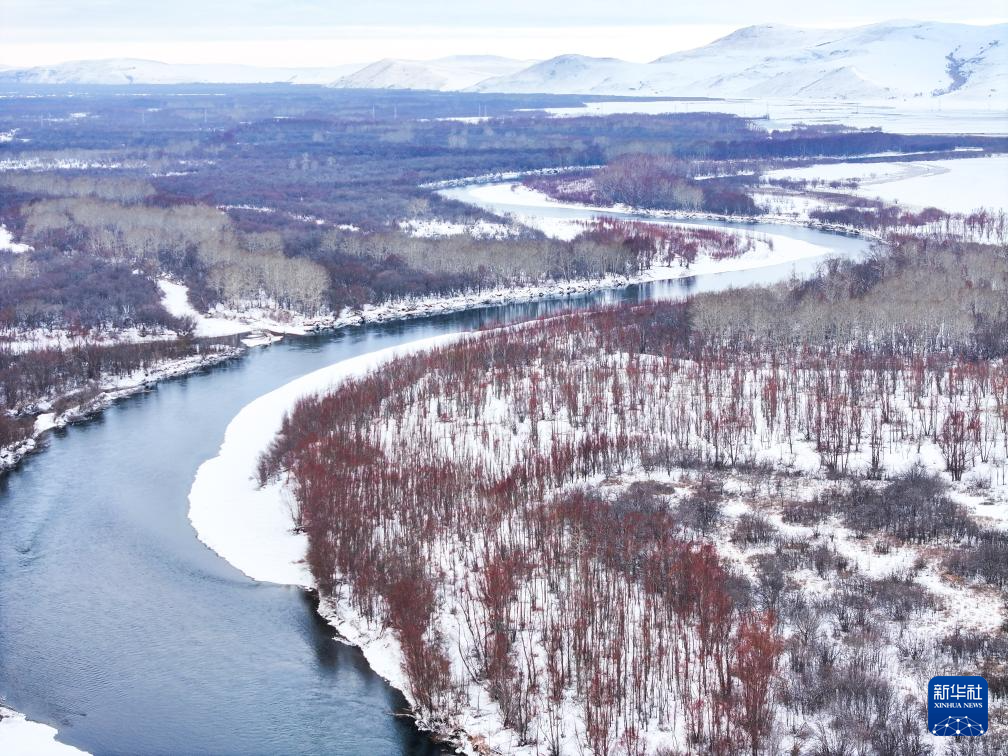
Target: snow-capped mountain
881, 61
130, 71
898, 60
451, 73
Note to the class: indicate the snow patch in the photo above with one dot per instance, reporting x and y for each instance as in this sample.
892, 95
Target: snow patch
7, 242
175, 299
961, 185
435, 228
19, 736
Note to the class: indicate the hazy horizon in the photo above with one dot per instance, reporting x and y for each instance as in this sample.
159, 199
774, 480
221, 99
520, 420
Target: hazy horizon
307, 33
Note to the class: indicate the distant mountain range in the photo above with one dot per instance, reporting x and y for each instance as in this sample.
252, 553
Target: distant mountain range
446, 74
877, 62
119, 71
892, 60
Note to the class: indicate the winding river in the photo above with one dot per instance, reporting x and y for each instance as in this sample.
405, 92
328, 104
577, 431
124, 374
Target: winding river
122, 630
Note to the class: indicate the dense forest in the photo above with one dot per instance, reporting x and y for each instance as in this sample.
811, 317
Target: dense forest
684, 527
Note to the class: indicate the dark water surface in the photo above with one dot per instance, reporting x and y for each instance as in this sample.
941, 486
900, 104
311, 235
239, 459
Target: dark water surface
118, 627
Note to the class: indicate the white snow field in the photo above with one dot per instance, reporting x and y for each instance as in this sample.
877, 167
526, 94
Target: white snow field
435, 228
960, 185
175, 299
20, 736
903, 116
883, 61
7, 243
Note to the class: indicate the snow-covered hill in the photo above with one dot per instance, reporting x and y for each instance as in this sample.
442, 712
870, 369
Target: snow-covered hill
892, 60
896, 60
451, 73
131, 71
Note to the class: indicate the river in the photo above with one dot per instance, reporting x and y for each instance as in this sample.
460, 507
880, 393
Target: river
123, 631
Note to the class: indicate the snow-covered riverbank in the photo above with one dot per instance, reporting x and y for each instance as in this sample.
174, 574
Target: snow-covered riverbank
538, 210
762, 255
110, 390
960, 186
19, 736
251, 527
240, 521
774, 250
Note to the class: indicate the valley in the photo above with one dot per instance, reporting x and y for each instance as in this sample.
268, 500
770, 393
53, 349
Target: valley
503, 404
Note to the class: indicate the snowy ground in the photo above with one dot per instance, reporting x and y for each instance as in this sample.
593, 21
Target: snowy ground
224, 322
433, 228
7, 242
794, 205
906, 117
45, 338
961, 185
565, 220
111, 390
21, 737
251, 527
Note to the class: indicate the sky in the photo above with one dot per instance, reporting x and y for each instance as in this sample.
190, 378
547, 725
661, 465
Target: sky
301, 33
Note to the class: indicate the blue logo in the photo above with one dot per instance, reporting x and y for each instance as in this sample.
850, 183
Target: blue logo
957, 705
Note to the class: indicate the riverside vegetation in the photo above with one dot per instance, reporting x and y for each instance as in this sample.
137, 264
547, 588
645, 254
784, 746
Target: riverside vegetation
752, 522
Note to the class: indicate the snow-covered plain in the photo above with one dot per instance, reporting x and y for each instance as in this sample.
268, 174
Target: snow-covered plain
20, 736
904, 117
960, 185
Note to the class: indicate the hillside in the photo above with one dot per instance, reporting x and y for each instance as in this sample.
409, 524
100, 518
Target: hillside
450, 73
121, 71
893, 60
897, 60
